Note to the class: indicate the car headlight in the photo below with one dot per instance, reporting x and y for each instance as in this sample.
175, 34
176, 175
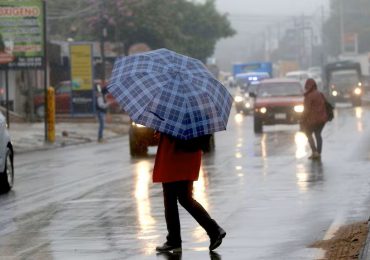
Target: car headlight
238, 99
299, 108
263, 110
360, 84
248, 105
357, 91
137, 125
334, 93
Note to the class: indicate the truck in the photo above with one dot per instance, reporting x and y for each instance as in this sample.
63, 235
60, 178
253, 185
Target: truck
343, 82
362, 59
239, 68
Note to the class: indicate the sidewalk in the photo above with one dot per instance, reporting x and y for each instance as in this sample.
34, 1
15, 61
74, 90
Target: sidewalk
28, 137
365, 254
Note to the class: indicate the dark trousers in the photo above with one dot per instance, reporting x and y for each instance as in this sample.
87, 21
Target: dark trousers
315, 131
101, 119
182, 191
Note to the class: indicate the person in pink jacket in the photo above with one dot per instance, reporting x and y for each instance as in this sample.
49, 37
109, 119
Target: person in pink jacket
314, 117
177, 166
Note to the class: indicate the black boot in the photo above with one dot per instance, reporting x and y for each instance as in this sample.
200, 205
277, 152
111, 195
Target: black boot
216, 239
166, 247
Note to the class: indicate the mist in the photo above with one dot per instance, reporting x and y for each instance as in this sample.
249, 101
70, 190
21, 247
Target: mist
254, 21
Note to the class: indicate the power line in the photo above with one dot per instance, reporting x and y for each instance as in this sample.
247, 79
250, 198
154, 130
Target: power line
75, 14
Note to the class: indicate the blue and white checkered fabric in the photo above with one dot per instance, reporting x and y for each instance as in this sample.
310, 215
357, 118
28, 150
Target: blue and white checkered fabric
171, 93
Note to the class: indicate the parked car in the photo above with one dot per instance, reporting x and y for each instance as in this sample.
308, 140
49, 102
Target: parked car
278, 101
141, 137
63, 92
6, 158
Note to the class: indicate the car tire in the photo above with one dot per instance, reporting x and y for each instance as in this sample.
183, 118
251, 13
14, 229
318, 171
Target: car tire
258, 127
136, 148
7, 177
40, 111
210, 147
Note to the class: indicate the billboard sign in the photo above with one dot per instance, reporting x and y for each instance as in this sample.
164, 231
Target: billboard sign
350, 43
22, 32
82, 78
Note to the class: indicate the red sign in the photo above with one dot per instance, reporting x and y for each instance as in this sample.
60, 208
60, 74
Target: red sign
6, 58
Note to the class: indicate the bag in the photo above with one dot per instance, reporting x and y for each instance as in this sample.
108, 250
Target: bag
329, 109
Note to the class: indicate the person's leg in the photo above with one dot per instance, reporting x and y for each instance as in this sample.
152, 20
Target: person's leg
101, 125
318, 137
310, 139
172, 214
185, 197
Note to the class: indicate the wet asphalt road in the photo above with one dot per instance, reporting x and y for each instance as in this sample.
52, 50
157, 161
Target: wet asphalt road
95, 202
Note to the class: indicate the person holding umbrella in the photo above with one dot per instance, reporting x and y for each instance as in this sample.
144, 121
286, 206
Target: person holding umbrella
178, 97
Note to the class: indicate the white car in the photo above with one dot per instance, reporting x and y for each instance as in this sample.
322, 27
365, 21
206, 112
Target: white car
6, 158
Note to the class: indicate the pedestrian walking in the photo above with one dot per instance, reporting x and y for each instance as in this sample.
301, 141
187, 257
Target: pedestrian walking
177, 166
101, 110
314, 117
177, 96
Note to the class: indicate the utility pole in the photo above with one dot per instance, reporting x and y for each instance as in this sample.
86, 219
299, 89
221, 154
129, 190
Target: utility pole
341, 24
103, 36
323, 46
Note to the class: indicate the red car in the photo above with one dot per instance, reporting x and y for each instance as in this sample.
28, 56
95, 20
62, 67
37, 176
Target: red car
63, 100
277, 101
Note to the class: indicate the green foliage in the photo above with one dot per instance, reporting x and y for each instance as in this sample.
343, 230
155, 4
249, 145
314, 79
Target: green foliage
183, 26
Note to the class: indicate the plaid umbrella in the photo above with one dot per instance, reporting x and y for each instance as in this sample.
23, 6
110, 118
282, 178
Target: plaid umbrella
171, 93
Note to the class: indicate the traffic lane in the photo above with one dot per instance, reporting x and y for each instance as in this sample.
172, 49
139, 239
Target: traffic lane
251, 195
325, 195
45, 181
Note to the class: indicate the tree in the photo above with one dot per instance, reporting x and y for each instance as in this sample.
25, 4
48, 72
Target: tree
183, 26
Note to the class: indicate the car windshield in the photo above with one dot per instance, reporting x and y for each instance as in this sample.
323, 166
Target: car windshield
347, 77
279, 89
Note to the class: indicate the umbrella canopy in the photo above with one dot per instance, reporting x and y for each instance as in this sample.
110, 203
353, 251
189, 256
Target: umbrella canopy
171, 93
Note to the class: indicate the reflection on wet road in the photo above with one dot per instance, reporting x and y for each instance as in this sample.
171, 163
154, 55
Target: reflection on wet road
95, 202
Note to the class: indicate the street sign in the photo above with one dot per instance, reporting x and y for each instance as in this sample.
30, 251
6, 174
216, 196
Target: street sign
22, 33
82, 78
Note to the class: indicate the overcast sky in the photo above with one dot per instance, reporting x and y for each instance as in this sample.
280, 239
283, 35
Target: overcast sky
251, 18
292, 7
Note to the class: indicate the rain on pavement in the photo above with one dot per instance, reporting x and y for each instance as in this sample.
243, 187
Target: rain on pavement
95, 202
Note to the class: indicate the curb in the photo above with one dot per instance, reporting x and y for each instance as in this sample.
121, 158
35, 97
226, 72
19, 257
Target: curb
365, 252
46, 146
77, 140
